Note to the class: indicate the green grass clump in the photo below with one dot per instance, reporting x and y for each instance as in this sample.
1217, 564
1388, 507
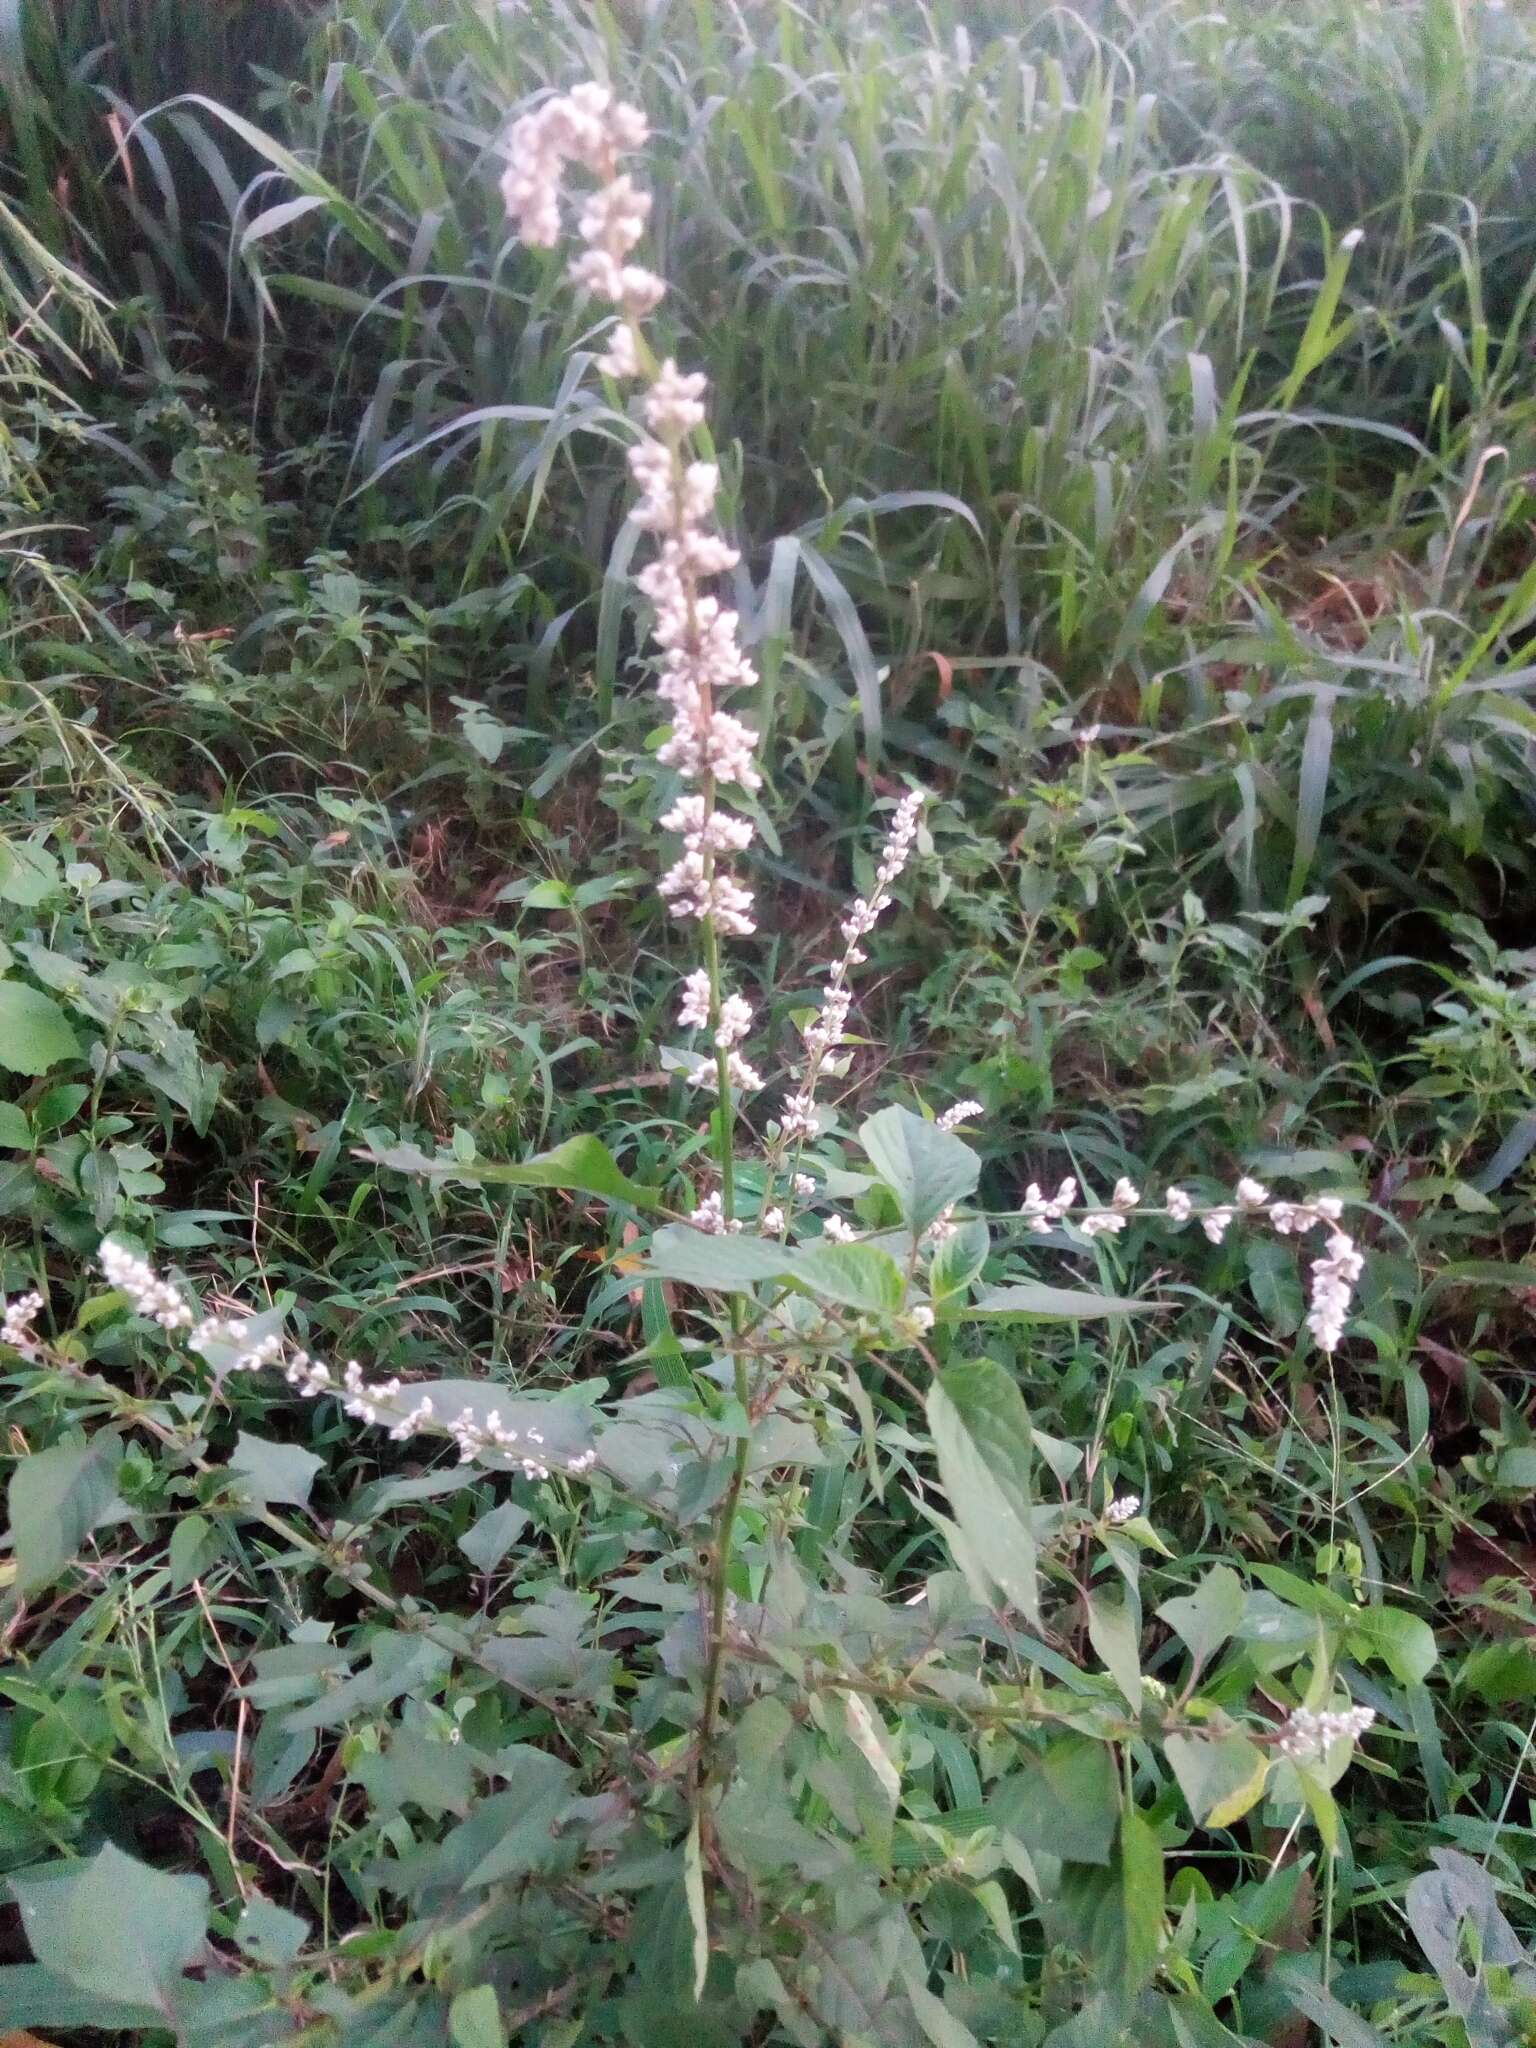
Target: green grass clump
1124, 416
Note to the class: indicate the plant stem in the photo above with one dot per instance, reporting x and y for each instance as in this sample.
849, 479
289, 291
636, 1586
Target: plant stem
725, 1528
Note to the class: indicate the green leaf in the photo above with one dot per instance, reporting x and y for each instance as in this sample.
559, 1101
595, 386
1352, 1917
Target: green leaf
1141, 1891
728, 1265
192, 1548
959, 1259
517, 1826
1335, 2021
270, 1472
1113, 1634
439, 1777
269, 1933
1516, 1467
1043, 1303
934, 2016
925, 1168
57, 1497
1221, 1776
489, 1540
550, 894
1501, 1673
1405, 1643
858, 1276
474, 2019
583, 1164
1320, 1804
1206, 1617
982, 1437
1065, 1802
1276, 1285
35, 1034
29, 874
115, 1927
15, 1131
698, 1913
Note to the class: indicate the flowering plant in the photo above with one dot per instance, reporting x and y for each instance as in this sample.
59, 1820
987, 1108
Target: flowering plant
696, 1755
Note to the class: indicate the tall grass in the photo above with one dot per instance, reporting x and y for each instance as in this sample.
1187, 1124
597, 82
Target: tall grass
1089, 306
73, 76
1059, 338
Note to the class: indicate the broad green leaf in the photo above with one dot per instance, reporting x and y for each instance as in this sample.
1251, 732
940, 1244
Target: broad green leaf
439, 1777
15, 1131
57, 1497
1501, 1673
474, 2019
858, 1276
982, 1437
1335, 2021
1063, 1458
1113, 1634
31, 1996
1276, 1284
925, 1168
268, 1472
1042, 1303
488, 1541
728, 1265
193, 1546
959, 1259
270, 1933
934, 2016
1205, 1618
1405, 1643
584, 1165
29, 874
1221, 1776
516, 1828
1141, 1890
115, 1927
35, 1034
1065, 1802
550, 894
1516, 1467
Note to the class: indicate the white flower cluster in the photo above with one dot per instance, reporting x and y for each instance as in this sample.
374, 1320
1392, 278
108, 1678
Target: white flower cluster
1123, 1509
1046, 1211
710, 1217
960, 1113
735, 1023
1333, 1276
590, 127
385, 1403
150, 1295
1111, 1221
942, 1228
1333, 1282
16, 1325
251, 1355
798, 1119
699, 637
838, 1229
1308, 1736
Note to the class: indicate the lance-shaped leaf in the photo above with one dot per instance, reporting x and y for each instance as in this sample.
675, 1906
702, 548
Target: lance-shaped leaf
982, 1436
